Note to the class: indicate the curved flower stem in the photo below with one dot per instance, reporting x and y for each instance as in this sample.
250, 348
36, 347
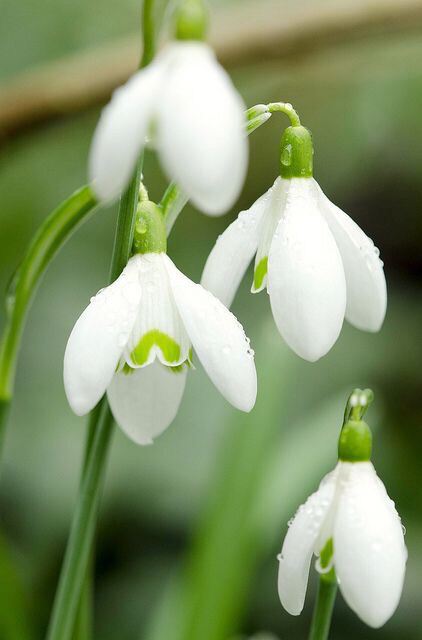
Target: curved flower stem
50, 237
171, 204
324, 605
287, 109
260, 113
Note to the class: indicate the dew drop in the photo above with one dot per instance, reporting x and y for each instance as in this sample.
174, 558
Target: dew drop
280, 557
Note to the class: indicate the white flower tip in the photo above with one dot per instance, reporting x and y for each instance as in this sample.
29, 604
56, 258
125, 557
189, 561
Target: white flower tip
105, 192
246, 402
78, 402
290, 601
312, 352
143, 442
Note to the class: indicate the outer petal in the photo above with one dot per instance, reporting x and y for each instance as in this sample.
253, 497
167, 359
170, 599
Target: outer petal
98, 339
365, 279
275, 207
305, 276
201, 132
145, 401
158, 330
369, 550
218, 339
233, 251
121, 132
299, 543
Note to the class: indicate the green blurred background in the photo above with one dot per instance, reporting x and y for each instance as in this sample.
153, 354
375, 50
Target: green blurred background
190, 528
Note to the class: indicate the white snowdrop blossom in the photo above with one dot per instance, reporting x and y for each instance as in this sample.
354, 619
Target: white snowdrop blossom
316, 263
134, 340
186, 101
352, 509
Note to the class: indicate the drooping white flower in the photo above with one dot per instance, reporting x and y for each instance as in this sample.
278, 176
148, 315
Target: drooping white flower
196, 117
352, 509
316, 262
134, 340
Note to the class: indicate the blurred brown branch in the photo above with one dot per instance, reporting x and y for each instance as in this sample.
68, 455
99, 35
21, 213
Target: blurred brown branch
246, 33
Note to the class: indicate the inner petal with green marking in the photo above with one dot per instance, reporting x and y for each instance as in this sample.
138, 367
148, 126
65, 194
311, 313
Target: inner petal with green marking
169, 348
260, 273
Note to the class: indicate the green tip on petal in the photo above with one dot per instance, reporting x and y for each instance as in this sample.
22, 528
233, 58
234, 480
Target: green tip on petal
168, 347
191, 20
326, 554
296, 153
260, 273
150, 230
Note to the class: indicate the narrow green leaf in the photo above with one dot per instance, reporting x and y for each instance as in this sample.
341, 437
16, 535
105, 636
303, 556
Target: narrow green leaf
14, 623
51, 236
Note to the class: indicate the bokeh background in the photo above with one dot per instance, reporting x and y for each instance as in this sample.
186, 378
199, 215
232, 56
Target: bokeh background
190, 527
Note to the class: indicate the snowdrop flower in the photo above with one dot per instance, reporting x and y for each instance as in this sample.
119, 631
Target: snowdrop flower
135, 337
316, 263
188, 104
352, 524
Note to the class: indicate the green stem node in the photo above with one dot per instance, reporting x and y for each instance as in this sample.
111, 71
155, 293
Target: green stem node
296, 153
150, 229
355, 442
191, 20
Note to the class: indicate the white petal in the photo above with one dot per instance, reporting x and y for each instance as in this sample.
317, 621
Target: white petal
299, 543
369, 550
121, 132
201, 128
98, 339
275, 207
145, 401
233, 251
365, 279
158, 330
218, 339
305, 276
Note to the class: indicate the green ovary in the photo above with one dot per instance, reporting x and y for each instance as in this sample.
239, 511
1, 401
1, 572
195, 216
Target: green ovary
260, 273
169, 347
